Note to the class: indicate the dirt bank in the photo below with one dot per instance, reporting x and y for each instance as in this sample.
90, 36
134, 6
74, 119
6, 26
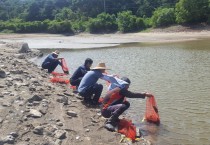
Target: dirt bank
104, 40
35, 112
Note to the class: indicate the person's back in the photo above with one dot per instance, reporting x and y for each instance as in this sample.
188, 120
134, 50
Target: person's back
80, 72
89, 80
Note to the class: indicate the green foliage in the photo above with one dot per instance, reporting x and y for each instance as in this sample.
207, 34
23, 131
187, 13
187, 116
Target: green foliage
61, 16
128, 22
65, 14
190, 11
60, 27
163, 17
102, 23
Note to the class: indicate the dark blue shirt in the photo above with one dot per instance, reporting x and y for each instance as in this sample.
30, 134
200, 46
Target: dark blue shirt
80, 72
51, 59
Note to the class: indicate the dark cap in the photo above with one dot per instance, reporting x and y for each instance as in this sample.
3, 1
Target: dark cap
126, 80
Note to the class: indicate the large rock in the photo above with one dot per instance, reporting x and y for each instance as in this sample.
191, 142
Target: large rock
34, 113
2, 74
24, 48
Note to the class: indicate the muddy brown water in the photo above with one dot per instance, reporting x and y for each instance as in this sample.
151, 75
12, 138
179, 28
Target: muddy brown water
178, 74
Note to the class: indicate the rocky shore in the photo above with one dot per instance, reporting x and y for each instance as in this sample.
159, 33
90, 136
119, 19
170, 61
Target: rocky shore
34, 111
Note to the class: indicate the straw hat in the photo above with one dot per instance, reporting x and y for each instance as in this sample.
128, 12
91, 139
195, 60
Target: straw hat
56, 52
100, 66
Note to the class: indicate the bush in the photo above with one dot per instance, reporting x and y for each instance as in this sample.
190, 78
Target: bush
128, 22
191, 11
163, 17
79, 26
102, 23
60, 27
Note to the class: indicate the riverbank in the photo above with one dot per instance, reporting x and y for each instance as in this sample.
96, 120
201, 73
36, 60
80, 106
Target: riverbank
35, 111
84, 41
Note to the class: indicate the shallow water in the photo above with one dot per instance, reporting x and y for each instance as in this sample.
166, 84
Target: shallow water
178, 74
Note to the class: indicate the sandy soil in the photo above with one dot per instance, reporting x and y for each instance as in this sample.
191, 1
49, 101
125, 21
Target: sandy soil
33, 111
102, 40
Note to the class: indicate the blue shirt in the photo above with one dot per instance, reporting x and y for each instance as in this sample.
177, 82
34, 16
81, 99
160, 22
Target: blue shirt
50, 59
89, 80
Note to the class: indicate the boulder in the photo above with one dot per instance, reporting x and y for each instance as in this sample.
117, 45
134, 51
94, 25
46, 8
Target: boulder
24, 48
2, 74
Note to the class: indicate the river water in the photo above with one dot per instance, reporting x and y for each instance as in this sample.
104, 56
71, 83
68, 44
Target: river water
178, 74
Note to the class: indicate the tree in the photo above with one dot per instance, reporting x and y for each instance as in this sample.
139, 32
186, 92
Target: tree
163, 17
66, 14
128, 22
190, 11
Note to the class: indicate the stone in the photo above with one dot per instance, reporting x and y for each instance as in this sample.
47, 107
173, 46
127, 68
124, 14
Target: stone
35, 98
20, 56
87, 130
63, 100
3, 74
34, 113
6, 104
72, 113
59, 123
24, 48
60, 134
77, 137
67, 94
1, 120
14, 134
43, 109
58, 142
2, 86
38, 130
36, 103
16, 71
10, 139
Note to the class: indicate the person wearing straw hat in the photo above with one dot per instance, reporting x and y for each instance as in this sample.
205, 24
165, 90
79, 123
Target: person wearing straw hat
51, 61
89, 86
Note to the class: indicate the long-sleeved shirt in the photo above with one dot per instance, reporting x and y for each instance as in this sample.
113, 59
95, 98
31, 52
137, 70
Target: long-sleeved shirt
78, 75
90, 79
50, 59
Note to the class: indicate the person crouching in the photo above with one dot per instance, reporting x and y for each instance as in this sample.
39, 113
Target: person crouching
115, 103
51, 61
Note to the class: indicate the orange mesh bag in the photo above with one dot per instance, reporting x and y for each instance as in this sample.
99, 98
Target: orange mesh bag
59, 80
64, 66
151, 114
55, 74
127, 128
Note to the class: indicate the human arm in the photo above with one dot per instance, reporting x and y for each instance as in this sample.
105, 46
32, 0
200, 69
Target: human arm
130, 94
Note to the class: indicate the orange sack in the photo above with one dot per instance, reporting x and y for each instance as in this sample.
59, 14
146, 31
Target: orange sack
59, 80
64, 66
127, 128
151, 114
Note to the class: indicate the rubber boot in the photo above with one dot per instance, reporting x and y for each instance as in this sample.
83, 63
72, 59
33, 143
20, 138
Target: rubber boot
111, 123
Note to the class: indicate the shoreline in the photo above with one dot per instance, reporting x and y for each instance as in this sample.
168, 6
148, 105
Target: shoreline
88, 41
35, 111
